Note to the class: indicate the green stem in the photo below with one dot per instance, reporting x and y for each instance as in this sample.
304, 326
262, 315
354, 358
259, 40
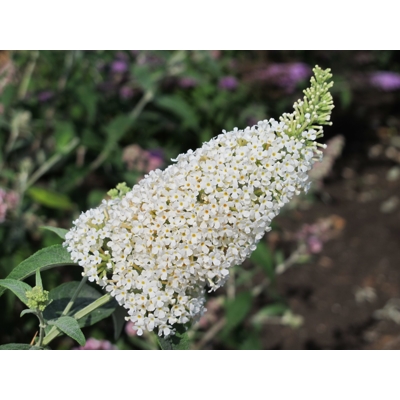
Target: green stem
51, 162
74, 296
80, 314
92, 306
42, 325
27, 76
146, 98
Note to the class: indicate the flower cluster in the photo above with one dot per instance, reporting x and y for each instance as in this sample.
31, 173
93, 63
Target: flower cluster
157, 247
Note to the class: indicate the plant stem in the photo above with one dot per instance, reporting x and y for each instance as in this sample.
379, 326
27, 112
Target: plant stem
51, 162
92, 306
80, 314
74, 296
42, 325
210, 334
146, 98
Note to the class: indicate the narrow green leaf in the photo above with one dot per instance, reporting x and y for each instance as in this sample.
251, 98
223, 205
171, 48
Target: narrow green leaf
8, 95
178, 106
279, 257
116, 129
19, 346
70, 327
61, 296
17, 287
144, 77
179, 341
252, 342
118, 318
272, 310
88, 98
64, 132
49, 257
38, 280
59, 231
27, 311
236, 311
262, 256
50, 198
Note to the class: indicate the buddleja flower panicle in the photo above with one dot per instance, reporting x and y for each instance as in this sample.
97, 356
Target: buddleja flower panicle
157, 247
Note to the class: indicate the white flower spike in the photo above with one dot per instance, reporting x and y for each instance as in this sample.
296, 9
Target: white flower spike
158, 246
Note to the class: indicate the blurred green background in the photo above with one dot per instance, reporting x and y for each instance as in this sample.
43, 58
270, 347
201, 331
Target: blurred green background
73, 124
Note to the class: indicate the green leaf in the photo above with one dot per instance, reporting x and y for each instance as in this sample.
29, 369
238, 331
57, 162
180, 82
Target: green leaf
88, 98
8, 95
116, 129
59, 231
50, 198
279, 257
44, 259
146, 78
64, 132
252, 342
19, 346
118, 317
272, 310
176, 105
236, 311
70, 327
38, 281
28, 311
179, 341
61, 296
17, 287
262, 256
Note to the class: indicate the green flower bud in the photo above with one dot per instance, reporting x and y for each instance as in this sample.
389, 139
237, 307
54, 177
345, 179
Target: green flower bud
38, 298
120, 191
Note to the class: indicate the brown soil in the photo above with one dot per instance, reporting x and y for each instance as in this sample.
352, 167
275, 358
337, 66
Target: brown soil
366, 255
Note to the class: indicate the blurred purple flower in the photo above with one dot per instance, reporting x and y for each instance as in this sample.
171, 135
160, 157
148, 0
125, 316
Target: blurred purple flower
139, 159
44, 96
8, 202
315, 235
3, 212
94, 344
385, 80
126, 92
284, 75
12, 198
228, 83
119, 66
155, 159
187, 82
314, 244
